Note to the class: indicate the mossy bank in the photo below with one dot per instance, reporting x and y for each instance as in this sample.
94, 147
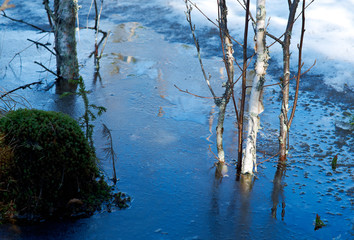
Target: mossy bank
47, 168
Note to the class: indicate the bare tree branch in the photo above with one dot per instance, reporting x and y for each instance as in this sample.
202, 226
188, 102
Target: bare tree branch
21, 21
40, 64
289, 3
186, 91
279, 83
18, 53
268, 159
41, 44
21, 87
196, 43
105, 35
50, 14
275, 38
299, 66
215, 24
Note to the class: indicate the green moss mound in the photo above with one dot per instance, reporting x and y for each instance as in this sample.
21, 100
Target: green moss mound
47, 168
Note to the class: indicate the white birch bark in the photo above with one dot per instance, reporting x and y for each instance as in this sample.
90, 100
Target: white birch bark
229, 65
283, 117
255, 102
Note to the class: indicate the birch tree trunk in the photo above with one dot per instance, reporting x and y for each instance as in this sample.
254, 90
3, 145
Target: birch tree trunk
243, 93
65, 12
283, 117
255, 102
229, 65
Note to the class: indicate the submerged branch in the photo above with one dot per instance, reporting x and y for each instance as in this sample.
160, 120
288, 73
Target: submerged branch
21, 87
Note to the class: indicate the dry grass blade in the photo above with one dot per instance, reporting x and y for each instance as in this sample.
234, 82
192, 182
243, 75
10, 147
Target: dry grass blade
10, 101
109, 150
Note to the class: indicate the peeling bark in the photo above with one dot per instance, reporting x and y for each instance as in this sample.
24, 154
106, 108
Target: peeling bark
65, 12
255, 102
229, 65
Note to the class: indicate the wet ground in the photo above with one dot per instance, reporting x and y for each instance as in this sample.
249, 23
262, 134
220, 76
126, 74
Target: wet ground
162, 137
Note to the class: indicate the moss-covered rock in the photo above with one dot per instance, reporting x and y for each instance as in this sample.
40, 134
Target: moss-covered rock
47, 167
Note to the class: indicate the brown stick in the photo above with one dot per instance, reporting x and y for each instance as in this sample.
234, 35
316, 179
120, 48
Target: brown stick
268, 159
299, 66
216, 157
195, 95
5, 5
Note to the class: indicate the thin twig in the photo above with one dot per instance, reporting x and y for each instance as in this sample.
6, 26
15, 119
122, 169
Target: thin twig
96, 15
268, 159
43, 45
21, 87
104, 44
299, 66
195, 5
244, 8
40, 64
304, 10
276, 39
89, 11
25, 49
186, 91
216, 157
105, 34
21, 21
279, 83
196, 43
50, 14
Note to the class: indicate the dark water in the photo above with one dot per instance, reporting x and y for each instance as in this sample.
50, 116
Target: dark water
162, 138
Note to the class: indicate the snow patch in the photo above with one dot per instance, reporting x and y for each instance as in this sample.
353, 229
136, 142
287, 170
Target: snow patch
329, 36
